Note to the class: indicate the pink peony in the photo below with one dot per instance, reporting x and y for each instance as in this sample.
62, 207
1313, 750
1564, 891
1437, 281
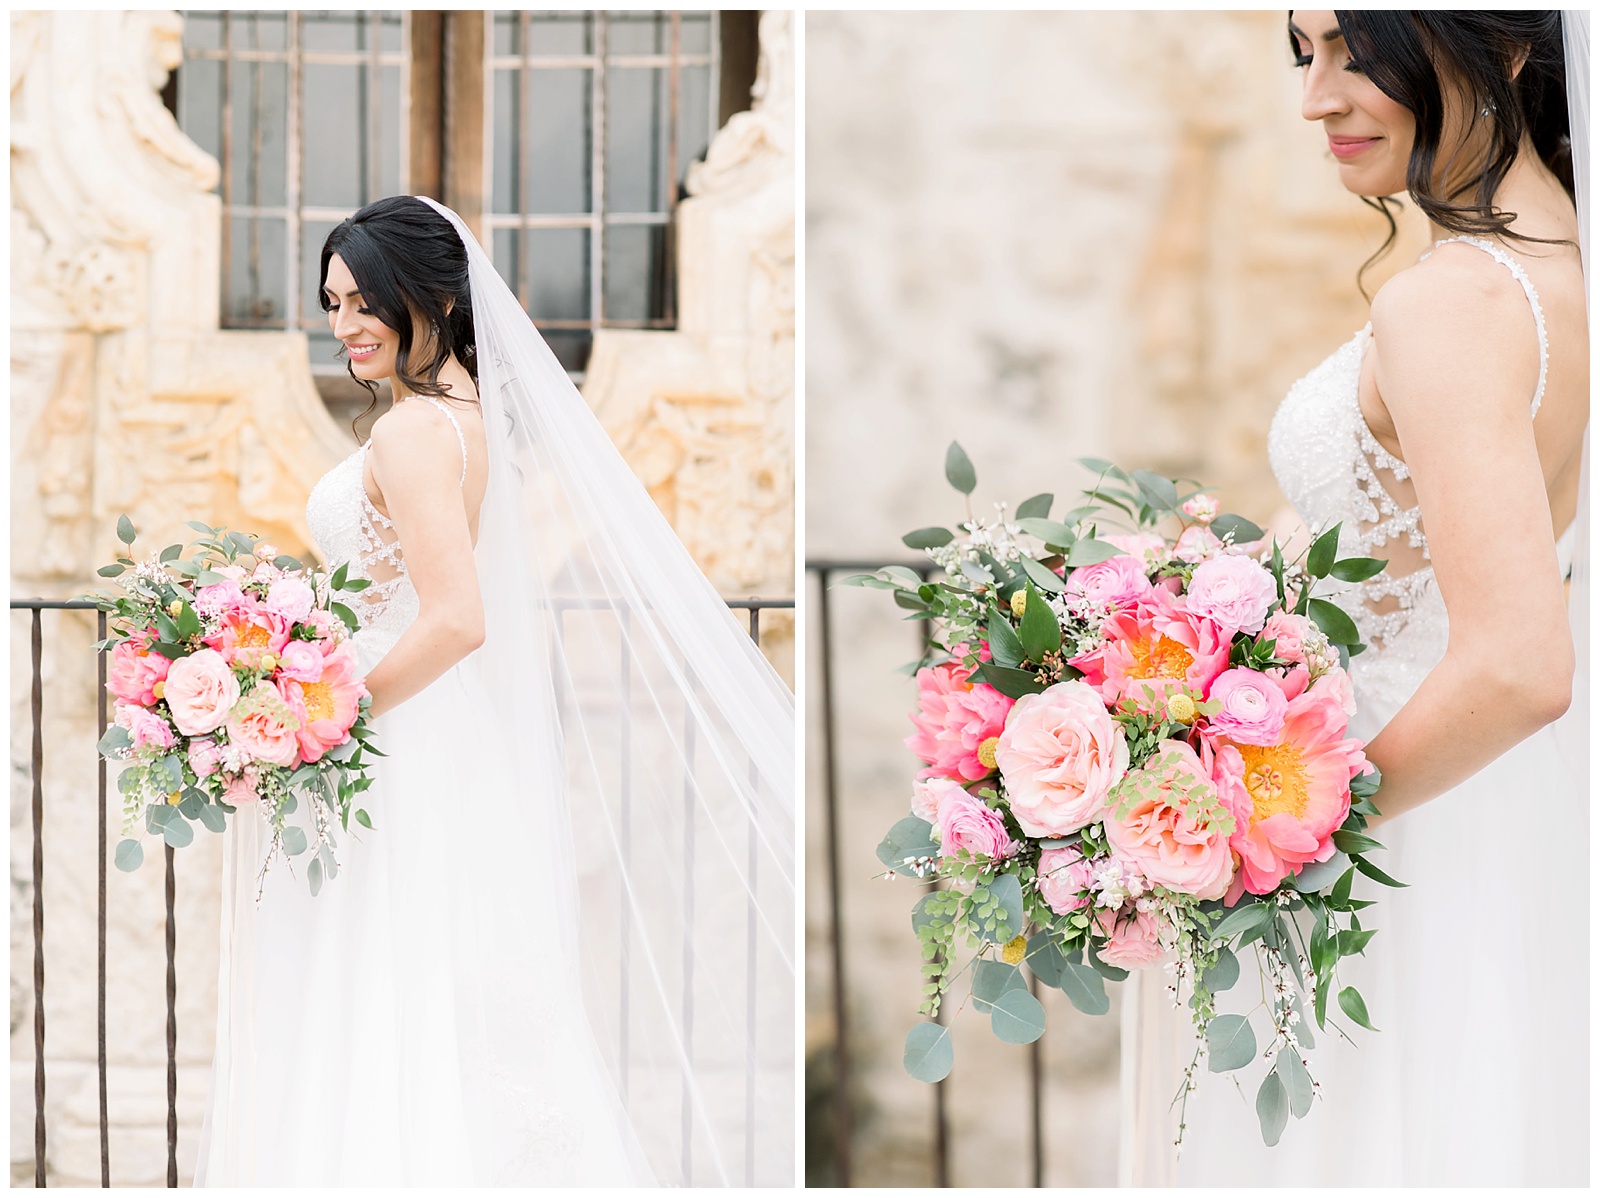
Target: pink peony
291, 599
1114, 582
325, 708
135, 670
1152, 650
263, 726
300, 660
1290, 632
1065, 879
245, 636
1253, 707
955, 718
205, 757
1197, 543
201, 690
145, 727
966, 822
1293, 795
1234, 591
928, 795
1169, 821
1135, 938
1060, 755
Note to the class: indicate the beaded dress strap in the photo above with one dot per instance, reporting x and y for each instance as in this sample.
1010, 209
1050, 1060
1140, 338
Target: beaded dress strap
1521, 276
460, 436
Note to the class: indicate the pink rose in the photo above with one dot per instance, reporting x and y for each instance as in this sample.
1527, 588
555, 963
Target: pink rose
1235, 592
1196, 543
1290, 633
1154, 649
291, 599
1111, 583
1169, 821
1135, 938
966, 822
201, 691
238, 790
263, 726
135, 670
954, 719
324, 709
1065, 879
145, 727
1060, 755
205, 757
1253, 707
928, 795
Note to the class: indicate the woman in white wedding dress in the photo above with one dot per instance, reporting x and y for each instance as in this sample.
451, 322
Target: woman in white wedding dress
490, 992
1447, 437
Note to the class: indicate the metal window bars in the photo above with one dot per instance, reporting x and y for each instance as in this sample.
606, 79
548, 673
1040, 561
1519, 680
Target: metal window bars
36, 609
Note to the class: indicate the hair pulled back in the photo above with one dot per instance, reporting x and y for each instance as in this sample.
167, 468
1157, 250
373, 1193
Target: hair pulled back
411, 267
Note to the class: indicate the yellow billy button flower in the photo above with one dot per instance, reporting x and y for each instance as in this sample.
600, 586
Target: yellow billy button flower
1180, 707
159, 690
1014, 950
1019, 602
269, 661
986, 752
172, 799
174, 607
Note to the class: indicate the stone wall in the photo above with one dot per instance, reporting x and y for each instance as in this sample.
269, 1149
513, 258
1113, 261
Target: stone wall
125, 397
1045, 235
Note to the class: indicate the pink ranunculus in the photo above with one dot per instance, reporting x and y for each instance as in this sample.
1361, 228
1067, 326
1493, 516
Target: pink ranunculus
205, 757
1290, 633
135, 670
955, 717
291, 599
1236, 592
247, 635
146, 729
201, 690
1147, 547
221, 598
1064, 880
1338, 682
966, 822
301, 660
1201, 507
929, 794
1153, 649
1253, 707
263, 725
238, 790
1060, 755
1169, 821
326, 708
1298, 790
1197, 543
1135, 938
1114, 582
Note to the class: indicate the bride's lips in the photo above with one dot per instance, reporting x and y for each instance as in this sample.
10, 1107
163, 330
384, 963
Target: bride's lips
359, 352
1349, 147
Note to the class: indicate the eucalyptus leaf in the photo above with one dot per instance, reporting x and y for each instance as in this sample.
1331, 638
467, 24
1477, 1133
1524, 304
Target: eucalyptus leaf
211, 816
928, 538
178, 832
1319, 875
1017, 1017
911, 837
1243, 919
1223, 973
314, 876
170, 554
1051, 532
1007, 891
1244, 531
1088, 552
116, 737
111, 571
1157, 490
1085, 988
1272, 1108
294, 841
1110, 972
958, 469
991, 979
1037, 505
1042, 576
1044, 958
1230, 1043
1296, 1082
130, 855
125, 530
929, 1054
346, 615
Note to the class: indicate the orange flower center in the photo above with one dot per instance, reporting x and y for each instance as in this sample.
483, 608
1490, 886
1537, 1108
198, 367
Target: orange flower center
1159, 657
253, 636
1276, 780
318, 698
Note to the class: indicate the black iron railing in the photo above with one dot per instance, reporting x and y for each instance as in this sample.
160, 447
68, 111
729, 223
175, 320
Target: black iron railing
36, 609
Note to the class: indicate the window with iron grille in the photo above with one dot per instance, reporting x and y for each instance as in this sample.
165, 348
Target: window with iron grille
563, 137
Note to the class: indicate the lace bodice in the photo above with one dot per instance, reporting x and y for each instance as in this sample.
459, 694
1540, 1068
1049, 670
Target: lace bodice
348, 529
1333, 470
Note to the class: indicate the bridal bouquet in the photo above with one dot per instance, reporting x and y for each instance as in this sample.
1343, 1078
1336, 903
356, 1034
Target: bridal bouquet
1135, 756
236, 685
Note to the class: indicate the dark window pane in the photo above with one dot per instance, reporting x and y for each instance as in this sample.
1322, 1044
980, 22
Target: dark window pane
507, 33
506, 143
260, 146
258, 256
694, 117
560, 33
503, 248
260, 31
202, 30
200, 104
558, 273
694, 36
570, 346
331, 32
392, 32
312, 234
559, 145
334, 124
636, 139
634, 270
637, 33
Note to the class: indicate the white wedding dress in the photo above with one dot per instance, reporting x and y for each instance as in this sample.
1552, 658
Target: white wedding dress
1478, 976
406, 1026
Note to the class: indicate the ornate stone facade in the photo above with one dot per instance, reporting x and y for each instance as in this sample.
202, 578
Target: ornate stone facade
126, 397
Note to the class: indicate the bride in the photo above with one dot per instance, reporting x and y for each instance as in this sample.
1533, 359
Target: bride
1448, 437
563, 953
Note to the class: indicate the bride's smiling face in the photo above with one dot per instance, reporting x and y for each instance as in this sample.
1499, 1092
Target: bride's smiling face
371, 345
1369, 135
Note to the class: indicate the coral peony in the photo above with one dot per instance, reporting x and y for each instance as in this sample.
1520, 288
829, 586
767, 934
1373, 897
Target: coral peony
1297, 791
1152, 650
247, 635
1253, 707
1065, 880
966, 822
263, 726
201, 690
1169, 821
135, 670
1060, 755
955, 718
1135, 938
325, 708
1234, 591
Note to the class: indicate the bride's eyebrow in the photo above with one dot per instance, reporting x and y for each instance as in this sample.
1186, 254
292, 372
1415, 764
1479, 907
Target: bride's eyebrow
1332, 35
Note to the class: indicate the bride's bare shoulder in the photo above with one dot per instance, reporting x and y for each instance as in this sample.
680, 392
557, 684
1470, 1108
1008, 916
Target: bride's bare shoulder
413, 432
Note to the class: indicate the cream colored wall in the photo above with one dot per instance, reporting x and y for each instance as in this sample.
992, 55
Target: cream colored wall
1044, 235
125, 397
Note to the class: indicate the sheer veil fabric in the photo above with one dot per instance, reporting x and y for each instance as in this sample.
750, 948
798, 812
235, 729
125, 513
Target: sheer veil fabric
1438, 1096
659, 753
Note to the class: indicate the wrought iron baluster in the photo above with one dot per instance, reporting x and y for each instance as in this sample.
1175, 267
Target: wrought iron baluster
37, 706
100, 918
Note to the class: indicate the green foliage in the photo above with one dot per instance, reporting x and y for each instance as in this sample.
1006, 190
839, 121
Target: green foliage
1272, 1108
1035, 506
958, 469
125, 530
907, 846
1017, 1017
1230, 1043
929, 1054
991, 979
129, 856
928, 538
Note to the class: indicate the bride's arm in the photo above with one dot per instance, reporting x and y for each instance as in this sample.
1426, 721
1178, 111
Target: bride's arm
416, 461
1456, 367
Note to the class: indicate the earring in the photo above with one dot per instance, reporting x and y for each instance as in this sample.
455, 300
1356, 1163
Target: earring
1488, 109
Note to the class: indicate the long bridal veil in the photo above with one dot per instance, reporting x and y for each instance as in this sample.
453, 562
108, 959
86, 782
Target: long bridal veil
656, 753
